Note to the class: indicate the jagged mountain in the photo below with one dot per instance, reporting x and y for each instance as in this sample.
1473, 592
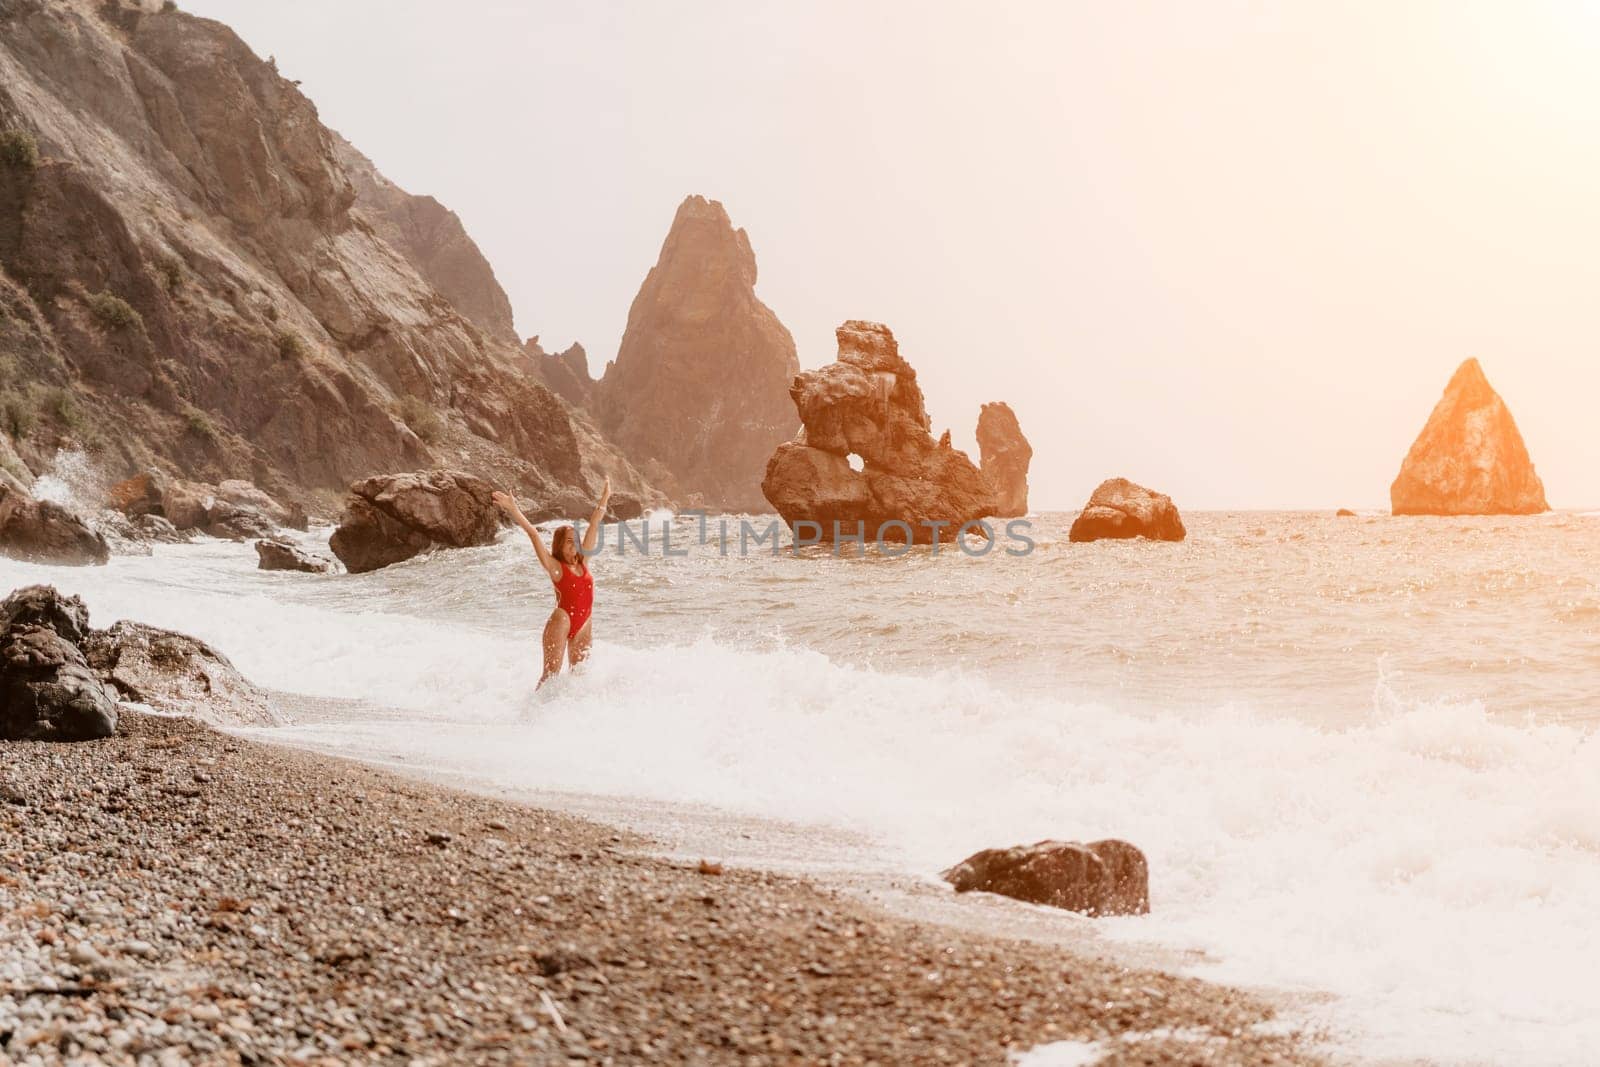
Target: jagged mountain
699, 391
432, 238
193, 279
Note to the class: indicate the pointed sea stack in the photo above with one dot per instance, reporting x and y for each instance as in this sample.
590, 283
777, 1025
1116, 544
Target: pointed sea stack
1469, 458
699, 390
1004, 457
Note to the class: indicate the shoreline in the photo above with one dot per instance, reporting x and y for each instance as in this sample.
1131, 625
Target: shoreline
177, 892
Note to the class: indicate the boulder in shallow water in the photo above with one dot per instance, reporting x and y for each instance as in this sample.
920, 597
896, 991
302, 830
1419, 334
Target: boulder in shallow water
48, 691
139, 495
1344, 513
273, 555
42, 531
176, 673
246, 495
1469, 458
1101, 878
238, 522
623, 509
394, 517
1120, 509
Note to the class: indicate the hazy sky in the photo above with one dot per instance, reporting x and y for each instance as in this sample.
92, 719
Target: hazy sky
1231, 250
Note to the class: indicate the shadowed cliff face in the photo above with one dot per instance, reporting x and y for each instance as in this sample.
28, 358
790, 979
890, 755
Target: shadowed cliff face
1469, 458
433, 240
699, 390
191, 280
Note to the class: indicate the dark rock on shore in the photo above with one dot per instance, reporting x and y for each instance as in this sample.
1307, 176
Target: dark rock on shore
1469, 458
393, 517
234, 509
699, 388
1344, 513
176, 673
1120, 509
868, 404
1101, 878
48, 692
624, 509
1004, 455
42, 531
274, 555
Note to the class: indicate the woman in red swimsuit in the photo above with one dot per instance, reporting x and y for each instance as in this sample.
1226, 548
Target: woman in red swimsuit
567, 634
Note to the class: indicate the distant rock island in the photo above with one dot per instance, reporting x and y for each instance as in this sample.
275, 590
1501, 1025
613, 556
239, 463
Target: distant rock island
699, 391
1469, 458
868, 405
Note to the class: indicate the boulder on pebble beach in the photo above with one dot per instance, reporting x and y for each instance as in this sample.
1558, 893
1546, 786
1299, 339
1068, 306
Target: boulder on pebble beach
42, 531
1120, 509
176, 673
48, 691
393, 517
234, 510
1101, 878
274, 555
61, 680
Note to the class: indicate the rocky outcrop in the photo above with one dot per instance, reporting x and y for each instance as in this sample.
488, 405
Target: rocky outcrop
1101, 878
430, 236
699, 388
391, 518
1004, 455
1120, 509
48, 692
566, 373
194, 276
273, 555
1469, 458
868, 404
1344, 513
42, 531
175, 673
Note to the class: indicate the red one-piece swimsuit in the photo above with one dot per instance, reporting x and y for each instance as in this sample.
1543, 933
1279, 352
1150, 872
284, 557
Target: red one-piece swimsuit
576, 595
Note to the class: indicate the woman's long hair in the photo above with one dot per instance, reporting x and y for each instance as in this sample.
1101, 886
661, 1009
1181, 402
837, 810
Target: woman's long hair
558, 545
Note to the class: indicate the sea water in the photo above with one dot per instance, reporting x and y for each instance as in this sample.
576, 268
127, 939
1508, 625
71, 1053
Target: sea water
1359, 754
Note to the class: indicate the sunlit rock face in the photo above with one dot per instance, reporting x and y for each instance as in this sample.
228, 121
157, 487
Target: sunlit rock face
1469, 458
1004, 455
699, 391
868, 404
1120, 510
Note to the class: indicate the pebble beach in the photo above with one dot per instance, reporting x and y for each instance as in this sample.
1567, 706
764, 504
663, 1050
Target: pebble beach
175, 895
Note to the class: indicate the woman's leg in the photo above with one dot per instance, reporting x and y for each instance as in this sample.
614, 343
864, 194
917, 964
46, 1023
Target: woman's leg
555, 643
578, 643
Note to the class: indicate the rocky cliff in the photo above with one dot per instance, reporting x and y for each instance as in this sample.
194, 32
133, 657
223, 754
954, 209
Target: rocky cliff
433, 240
1469, 458
189, 279
566, 373
699, 390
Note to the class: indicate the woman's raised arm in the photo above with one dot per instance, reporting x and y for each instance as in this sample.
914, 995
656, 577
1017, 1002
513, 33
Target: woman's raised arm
508, 504
591, 536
